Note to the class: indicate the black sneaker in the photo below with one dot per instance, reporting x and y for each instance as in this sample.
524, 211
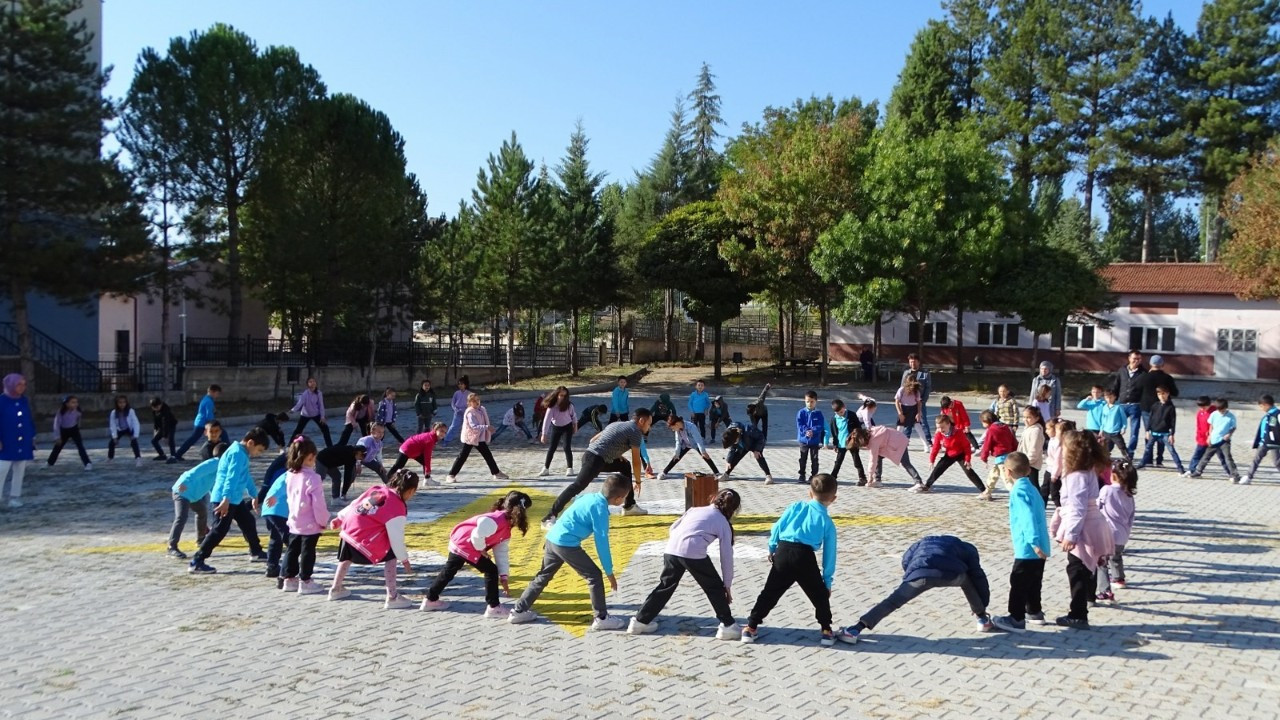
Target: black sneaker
176, 553
802, 481
199, 568
258, 557
1009, 623
1077, 623
159, 458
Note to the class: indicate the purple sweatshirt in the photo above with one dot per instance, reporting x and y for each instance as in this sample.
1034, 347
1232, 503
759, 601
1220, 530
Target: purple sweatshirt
693, 532
1117, 507
310, 404
459, 401
65, 421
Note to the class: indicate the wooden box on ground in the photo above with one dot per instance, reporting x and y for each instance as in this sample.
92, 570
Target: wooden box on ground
699, 489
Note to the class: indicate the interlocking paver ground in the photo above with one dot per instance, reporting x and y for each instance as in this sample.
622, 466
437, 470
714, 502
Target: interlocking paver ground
127, 633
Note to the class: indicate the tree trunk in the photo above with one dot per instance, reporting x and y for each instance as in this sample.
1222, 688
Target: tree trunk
924, 315
822, 339
235, 299
373, 356
617, 333
21, 318
1147, 210
782, 334
716, 335
573, 345
791, 329
511, 345
1035, 350
668, 326
166, 297
959, 339
1062, 352
699, 351
1088, 204
877, 339
1214, 234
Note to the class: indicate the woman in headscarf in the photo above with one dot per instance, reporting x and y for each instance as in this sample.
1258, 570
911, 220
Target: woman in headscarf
17, 436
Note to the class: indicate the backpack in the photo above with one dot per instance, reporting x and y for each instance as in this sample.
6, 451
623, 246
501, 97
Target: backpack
1271, 430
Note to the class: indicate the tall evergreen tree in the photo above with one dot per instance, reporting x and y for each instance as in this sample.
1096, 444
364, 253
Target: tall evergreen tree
71, 224
971, 28
925, 98
1138, 232
703, 131
1235, 105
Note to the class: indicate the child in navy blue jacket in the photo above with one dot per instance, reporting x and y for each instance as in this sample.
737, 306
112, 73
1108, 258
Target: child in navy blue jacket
810, 429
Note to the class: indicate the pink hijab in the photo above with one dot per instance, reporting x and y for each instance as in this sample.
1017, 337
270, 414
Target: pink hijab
11, 385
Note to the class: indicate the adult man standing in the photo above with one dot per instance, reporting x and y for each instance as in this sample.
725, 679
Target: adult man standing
868, 360
605, 454
1127, 384
1154, 378
926, 386
1047, 378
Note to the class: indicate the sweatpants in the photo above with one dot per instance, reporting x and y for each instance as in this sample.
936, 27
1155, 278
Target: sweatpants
455, 428
19, 468
279, 529
158, 436
461, 460
72, 434
1258, 457
681, 454
700, 421
340, 479
377, 468
558, 432
857, 463
181, 508
1082, 584
736, 454
703, 572
793, 563
905, 464
809, 452
453, 564
1025, 582
1223, 450
133, 443
301, 560
908, 591
1110, 568
592, 465
196, 434
350, 428
1117, 440
553, 557
402, 460
241, 514
1199, 453
946, 462
324, 429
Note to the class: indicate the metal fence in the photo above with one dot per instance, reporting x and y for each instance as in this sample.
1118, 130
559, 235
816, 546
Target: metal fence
730, 334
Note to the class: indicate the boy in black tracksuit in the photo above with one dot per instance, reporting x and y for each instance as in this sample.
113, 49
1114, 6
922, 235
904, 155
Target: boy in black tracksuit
164, 426
271, 424
339, 463
1160, 429
592, 415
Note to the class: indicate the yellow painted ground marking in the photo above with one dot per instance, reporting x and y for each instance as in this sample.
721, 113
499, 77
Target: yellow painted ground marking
566, 601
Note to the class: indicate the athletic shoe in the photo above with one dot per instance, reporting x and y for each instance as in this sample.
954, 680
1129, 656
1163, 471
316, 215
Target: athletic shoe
1193, 475
640, 628
828, 638
768, 479
137, 462
199, 568
1246, 479
450, 479
1186, 474
877, 483
984, 496
613, 622
257, 557
14, 503
801, 480
399, 602
1140, 466
635, 510
862, 482
88, 467
429, 605
749, 635
159, 458
1036, 619
173, 460
1118, 584
729, 632
501, 476
848, 635
309, 587
520, 618
546, 471
290, 585
984, 624
918, 488
339, 593
1009, 624
570, 473
426, 480
176, 553
496, 612
1107, 597
1077, 623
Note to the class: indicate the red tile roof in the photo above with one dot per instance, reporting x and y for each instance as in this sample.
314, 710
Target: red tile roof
1170, 279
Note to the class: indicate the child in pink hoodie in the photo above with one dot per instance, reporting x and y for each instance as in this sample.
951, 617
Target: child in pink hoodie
420, 447
476, 432
308, 516
470, 543
372, 531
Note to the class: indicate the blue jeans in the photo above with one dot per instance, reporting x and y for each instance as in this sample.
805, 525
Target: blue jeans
455, 428
1199, 453
924, 421
1161, 441
196, 434
1137, 420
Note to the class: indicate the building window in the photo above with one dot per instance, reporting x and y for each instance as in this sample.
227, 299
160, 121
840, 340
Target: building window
935, 333
1077, 337
1236, 340
996, 334
1152, 339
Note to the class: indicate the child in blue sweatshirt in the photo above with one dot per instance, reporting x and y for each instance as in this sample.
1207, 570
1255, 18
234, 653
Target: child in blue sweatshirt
191, 493
235, 498
699, 404
620, 401
587, 516
803, 529
273, 498
810, 429
1030, 533
1092, 407
1112, 423
206, 412
1222, 425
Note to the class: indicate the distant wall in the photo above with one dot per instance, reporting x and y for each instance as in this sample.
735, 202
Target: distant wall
645, 350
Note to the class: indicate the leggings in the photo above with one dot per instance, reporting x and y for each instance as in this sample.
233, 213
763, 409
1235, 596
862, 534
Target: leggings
133, 443
402, 460
681, 454
453, 564
557, 432
737, 453
947, 461
361, 425
341, 478
319, 421
73, 434
466, 451
302, 556
857, 463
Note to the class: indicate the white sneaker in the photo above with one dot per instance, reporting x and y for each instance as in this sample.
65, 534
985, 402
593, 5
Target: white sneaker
729, 632
613, 622
638, 628
339, 593
917, 488
722, 477
569, 472
14, 503
768, 479
433, 605
137, 462
426, 480
634, 510
874, 483
546, 471
1186, 474
1245, 479
497, 612
399, 602
501, 476
88, 467
520, 618
450, 479
290, 585
309, 587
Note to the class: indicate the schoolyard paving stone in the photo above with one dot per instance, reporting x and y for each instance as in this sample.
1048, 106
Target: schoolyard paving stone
127, 633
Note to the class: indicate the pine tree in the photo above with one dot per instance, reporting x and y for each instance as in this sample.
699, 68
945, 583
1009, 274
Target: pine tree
704, 159
1235, 105
1136, 232
925, 100
71, 224
971, 35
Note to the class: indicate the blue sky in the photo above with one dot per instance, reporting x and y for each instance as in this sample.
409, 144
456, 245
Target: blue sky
457, 77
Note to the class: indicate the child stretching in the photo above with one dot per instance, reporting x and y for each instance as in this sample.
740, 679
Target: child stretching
372, 444
339, 463
933, 562
1264, 441
592, 415
843, 424
719, 414
372, 531
191, 493
1005, 406
1033, 439
804, 528
358, 418
1030, 535
685, 441
419, 448
458, 403
883, 442
206, 412
164, 426
691, 536
308, 517
955, 410
560, 421
470, 542
386, 413
867, 413
1078, 526
955, 449
758, 413
587, 516
123, 421
1205, 410
273, 498
310, 408
997, 442
907, 402
1222, 425
234, 495
66, 426
514, 418
810, 426
1116, 503
476, 432
739, 440
1044, 401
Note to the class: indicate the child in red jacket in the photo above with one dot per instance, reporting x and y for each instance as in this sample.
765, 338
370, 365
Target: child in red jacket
954, 409
955, 449
1206, 409
997, 442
